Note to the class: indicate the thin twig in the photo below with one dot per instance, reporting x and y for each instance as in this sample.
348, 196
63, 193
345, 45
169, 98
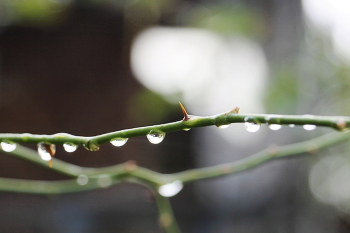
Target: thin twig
189, 121
130, 172
166, 215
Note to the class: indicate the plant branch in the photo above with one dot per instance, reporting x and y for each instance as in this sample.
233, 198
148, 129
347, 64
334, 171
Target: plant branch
92, 143
166, 215
274, 152
130, 172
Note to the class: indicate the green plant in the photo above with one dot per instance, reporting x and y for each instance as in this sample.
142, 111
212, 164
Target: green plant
162, 185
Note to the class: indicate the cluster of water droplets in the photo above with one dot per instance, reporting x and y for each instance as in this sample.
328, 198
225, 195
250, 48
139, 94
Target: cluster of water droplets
8, 146
252, 125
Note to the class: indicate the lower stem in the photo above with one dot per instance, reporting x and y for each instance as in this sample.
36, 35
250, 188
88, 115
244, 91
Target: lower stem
166, 215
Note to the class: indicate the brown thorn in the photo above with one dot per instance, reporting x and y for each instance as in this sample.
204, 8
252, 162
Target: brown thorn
51, 148
130, 166
186, 116
235, 110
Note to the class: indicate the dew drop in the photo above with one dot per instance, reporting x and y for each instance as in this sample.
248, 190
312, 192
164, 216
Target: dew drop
46, 151
8, 146
70, 147
82, 179
171, 189
251, 127
155, 137
291, 125
223, 126
309, 127
187, 129
275, 126
119, 141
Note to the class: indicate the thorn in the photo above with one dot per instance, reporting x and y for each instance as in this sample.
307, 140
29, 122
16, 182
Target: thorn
235, 110
51, 148
340, 124
186, 116
130, 166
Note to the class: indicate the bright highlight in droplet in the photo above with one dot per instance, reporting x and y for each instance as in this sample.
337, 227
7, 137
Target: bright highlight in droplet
223, 126
309, 127
8, 146
251, 127
171, 189
155, 138
70, 147
119, 141
82, 179
275, 126
43, 152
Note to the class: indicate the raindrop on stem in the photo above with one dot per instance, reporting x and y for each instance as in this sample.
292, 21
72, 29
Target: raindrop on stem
46, 151
171, 189
251, 127
70, 147
309, 127
8, 146
275, 126
155, 137
119, 141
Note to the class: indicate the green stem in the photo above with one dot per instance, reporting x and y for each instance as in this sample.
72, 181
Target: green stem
92, 143
129, 172
261, 157
166, 215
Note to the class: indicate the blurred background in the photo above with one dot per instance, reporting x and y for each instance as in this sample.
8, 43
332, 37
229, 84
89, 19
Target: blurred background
88, 67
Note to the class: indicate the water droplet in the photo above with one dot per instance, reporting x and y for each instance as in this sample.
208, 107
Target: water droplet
291, 125
119, 141
309, 127
92, 146
70, 147
8, 146
46, 151
171, 189
187, 129
155, 137
275, 126
251, 127
82, 179
104, 181
223, 126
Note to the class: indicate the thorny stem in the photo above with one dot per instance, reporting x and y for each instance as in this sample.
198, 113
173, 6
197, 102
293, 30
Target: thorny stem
130, 172
189, 121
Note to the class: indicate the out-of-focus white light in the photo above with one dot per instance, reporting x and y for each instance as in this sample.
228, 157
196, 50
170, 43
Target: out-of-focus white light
333, 16
209, 72
330, 182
